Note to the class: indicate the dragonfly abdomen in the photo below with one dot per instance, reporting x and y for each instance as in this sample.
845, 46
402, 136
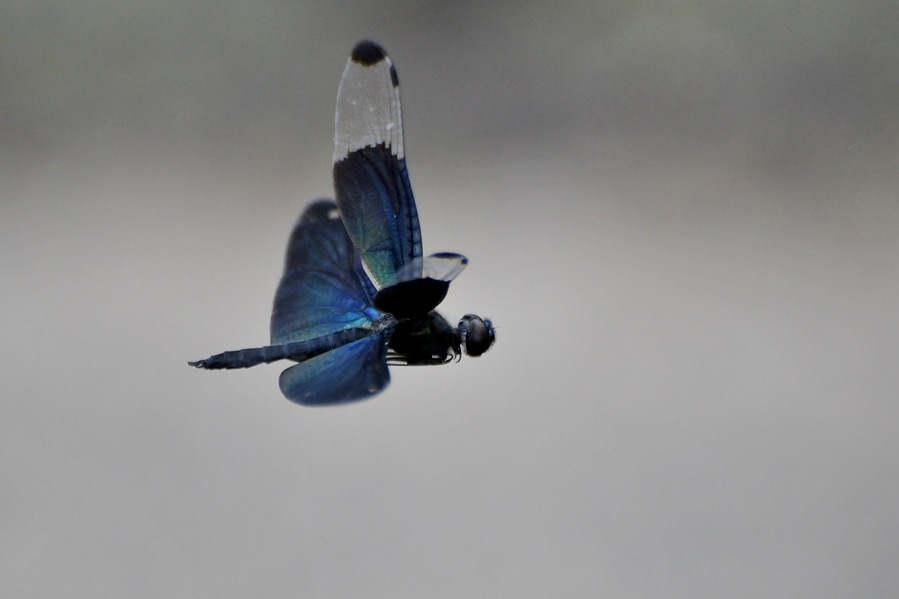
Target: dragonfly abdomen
298, 351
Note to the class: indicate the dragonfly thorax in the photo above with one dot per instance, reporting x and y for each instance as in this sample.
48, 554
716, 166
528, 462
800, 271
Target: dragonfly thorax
424, 340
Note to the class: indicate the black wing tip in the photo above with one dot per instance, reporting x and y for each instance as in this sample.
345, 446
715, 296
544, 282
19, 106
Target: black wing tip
462, 258
368, 53
198, 364
393, 77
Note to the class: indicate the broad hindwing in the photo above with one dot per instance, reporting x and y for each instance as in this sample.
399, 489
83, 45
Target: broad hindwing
371, 183
320, 291
349, 373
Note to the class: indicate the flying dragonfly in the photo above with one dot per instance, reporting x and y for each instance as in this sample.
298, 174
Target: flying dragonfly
356, 294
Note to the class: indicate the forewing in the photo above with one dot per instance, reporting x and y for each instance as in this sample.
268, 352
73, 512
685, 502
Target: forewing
440, 267
369, 167
420, 286
349, 373
320, 291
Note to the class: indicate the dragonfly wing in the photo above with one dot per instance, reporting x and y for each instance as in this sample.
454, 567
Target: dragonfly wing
349, 373
419, 286
371, 183
321, 290
440, 267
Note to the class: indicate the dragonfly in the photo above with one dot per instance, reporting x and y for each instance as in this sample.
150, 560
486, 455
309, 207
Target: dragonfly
356, 294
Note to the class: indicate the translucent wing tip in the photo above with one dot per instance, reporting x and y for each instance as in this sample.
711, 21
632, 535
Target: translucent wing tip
444, 266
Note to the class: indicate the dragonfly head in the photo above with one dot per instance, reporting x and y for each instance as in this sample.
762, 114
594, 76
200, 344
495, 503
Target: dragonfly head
477, 334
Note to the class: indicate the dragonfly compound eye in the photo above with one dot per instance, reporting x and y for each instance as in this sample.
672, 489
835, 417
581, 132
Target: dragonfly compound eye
477, 334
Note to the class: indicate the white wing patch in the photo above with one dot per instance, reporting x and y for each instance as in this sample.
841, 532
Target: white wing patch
368, 109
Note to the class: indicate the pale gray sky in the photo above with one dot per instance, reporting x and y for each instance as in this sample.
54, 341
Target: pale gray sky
682, 217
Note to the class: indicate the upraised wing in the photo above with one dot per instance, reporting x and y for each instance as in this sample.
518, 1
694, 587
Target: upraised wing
371, 183
321, 290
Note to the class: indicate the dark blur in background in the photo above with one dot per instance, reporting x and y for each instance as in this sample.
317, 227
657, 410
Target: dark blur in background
683, 218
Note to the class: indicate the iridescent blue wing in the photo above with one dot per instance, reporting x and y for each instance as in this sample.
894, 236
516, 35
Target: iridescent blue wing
369, 167
349, 373
321, 290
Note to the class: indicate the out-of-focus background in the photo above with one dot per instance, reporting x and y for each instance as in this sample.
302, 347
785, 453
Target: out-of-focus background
682, 216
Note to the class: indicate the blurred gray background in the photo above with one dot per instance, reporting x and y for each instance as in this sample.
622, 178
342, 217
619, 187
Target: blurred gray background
683, 218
